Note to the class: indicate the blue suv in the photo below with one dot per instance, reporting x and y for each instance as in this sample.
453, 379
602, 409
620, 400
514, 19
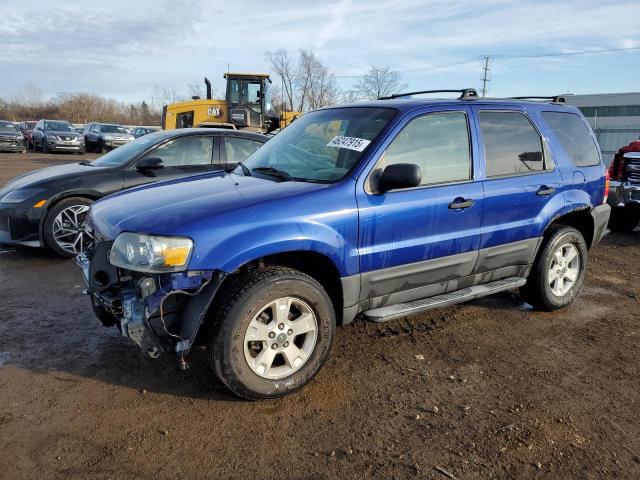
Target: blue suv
374, 210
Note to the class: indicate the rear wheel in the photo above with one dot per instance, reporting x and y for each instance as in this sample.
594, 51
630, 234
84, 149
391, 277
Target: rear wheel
558, 271
274, 331
623, 221
64, 227
45, 148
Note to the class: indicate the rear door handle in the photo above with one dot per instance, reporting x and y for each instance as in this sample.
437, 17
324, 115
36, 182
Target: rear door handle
460, 203
545, 191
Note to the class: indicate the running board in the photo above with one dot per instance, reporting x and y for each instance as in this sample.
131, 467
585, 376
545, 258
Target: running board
390, 312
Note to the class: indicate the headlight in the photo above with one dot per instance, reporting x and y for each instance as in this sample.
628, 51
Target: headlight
19, 195
108, 137
150, 253
131, 138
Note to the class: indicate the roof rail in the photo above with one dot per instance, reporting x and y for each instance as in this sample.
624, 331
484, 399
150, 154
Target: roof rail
465, 94
554, 98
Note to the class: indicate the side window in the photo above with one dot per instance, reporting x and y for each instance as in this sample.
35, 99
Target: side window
438, 143
512, 146
574, 137
238, 149
185, 151
184, 120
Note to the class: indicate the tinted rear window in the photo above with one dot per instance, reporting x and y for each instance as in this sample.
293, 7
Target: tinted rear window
512, 146
574, 136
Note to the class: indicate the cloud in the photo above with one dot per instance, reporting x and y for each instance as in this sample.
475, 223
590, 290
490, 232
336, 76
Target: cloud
121, 48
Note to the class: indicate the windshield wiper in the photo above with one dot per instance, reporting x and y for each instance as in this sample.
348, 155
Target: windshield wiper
245, 170
86, 162
274, 172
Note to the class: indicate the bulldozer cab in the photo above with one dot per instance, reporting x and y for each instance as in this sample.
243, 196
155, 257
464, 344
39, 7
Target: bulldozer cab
249, 102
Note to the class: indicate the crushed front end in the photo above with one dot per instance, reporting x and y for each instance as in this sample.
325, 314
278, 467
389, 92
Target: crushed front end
160, 311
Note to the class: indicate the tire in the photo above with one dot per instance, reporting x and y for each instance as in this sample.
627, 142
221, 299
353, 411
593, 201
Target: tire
35, 145
101, 148
623, 221
245, 298
538, 290
51, 230
45, 148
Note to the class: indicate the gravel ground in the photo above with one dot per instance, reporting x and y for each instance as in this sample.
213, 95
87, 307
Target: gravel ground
483, 390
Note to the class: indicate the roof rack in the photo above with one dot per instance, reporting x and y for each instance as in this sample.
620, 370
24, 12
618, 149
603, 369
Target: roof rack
465, 94
554, 98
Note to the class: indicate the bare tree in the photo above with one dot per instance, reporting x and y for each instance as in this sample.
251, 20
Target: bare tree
350, 96
283, 68
196, 90
379, 82
321, 88
163, 95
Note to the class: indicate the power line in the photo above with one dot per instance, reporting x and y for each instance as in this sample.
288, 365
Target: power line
513, 56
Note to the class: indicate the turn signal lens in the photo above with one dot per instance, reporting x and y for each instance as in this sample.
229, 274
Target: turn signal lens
40, 204
607, 186
176, 256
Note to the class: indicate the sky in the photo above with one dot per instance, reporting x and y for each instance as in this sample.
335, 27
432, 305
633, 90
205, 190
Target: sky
121, 49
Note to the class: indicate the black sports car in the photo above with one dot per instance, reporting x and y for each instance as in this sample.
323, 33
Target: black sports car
46, 208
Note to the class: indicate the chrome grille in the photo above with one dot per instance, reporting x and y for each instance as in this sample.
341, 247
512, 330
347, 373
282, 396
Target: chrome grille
633, 170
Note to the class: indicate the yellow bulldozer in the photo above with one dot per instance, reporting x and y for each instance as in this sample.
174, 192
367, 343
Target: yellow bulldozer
247, 105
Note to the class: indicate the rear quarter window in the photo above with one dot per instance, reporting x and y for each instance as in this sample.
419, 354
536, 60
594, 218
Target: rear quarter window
574, 136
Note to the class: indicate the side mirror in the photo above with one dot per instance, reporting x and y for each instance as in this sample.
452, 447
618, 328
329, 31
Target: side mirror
400, 175
632, 155
150, 163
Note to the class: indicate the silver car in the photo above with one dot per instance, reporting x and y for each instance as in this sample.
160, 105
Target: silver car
102, 137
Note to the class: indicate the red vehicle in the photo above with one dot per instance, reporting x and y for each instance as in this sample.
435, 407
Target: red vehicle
26, 128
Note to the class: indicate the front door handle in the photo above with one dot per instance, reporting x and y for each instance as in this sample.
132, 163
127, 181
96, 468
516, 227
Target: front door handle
460, 203
545, 191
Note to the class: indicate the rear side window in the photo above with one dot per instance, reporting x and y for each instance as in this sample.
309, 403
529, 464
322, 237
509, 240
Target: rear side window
512, 146
574, 137
438, 143
238, 149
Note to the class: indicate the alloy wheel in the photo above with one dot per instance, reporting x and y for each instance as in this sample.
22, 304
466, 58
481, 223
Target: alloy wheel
68, 229
280, 338
564, 269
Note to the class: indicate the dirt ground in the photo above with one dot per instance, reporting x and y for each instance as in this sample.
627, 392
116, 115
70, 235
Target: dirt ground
482, 390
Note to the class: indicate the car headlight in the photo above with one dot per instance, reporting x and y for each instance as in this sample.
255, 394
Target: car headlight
108, 137
151, 253
19, 195
131, 138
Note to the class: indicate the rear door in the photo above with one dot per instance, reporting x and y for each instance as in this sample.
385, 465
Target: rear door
522, 188
236, 149
182, 157
413, 241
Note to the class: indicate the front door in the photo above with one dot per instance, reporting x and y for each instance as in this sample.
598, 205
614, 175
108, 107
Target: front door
413, 241
182, 157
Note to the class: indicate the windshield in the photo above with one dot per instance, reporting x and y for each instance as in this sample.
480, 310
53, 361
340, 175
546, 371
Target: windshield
8, 127
112, 129
124, 154
321, 146
59, 127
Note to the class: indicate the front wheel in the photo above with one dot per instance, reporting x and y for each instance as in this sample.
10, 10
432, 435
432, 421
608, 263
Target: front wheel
558, 271
64, 230
274, 331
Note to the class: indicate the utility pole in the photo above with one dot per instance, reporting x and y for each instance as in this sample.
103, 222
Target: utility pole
485, 77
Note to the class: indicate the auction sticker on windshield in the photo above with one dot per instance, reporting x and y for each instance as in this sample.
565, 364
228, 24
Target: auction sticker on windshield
352, 143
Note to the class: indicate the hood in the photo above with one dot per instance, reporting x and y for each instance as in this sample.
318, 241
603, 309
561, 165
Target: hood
48, 174
176, 208
63, 133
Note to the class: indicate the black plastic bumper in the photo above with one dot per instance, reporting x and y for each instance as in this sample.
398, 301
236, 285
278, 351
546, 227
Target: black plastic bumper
20, 225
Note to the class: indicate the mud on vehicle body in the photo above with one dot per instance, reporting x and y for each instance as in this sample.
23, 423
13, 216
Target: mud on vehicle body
376, 210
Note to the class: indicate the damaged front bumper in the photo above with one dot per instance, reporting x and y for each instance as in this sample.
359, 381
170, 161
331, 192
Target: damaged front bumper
160, 312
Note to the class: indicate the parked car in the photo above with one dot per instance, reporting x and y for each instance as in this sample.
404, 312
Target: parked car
140, 131
47, 208
380, 210
79, 129
56, 136
624, 196
102, 137
26, 128
11, 139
